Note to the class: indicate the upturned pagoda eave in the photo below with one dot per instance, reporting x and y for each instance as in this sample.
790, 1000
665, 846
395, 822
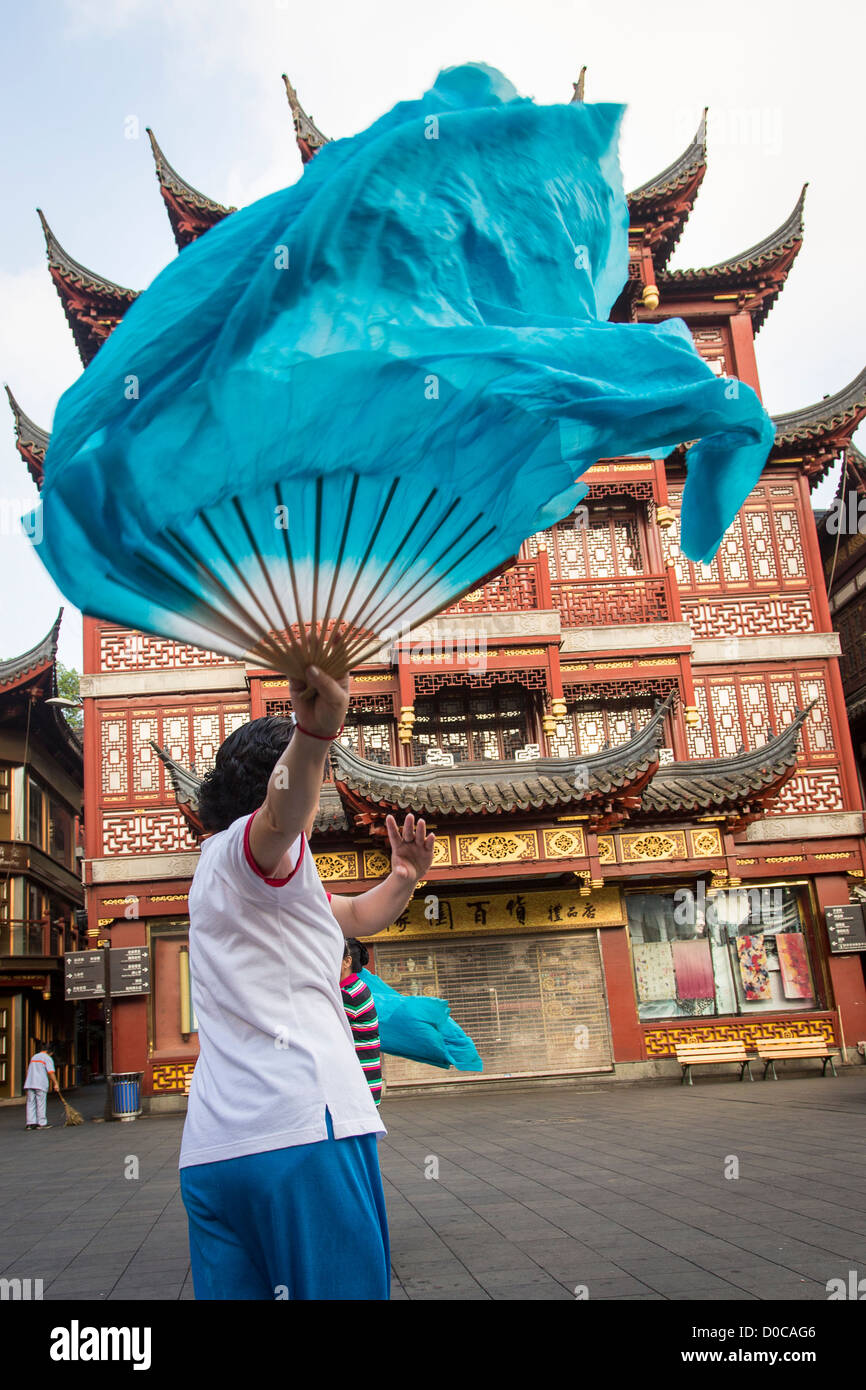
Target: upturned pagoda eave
93, 305
190, 212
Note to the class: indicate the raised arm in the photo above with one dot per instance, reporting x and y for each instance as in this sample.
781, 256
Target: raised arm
411, 857
296, 781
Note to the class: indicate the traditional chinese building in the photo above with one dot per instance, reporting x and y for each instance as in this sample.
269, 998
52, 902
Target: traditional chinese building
842, 537
41, 779
638, 769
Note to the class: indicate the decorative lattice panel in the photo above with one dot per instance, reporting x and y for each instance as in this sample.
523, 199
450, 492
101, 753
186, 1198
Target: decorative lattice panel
699, 736
172, 1077
735, 714
761, 550
810, 792
663, 1042
121, 649
749, 617
590, 603
145, 832
711, 345
850, 624
115, 758
191, 735
429, 682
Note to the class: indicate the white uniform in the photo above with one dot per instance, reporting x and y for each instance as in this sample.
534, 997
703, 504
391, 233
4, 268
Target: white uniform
276, 1048
36, 1085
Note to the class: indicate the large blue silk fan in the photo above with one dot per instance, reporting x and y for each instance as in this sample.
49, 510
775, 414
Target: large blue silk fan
346, 404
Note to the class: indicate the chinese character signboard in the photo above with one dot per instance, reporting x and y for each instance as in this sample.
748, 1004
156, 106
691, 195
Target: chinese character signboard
130, 970
846, 928
84, 974
433, 914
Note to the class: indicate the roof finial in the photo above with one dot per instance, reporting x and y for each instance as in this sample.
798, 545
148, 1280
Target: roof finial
579, 85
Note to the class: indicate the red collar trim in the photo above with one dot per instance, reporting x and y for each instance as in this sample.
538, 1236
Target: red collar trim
248, 855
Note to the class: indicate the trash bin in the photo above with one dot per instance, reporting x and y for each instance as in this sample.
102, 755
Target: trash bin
126, 1095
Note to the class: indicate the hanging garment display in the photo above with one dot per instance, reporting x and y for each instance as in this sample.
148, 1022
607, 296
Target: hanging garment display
693, 969
753, 968
654, 971
794, 965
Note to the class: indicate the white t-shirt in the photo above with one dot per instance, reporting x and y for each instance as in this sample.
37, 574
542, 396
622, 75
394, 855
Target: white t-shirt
275, 1045
37, 1073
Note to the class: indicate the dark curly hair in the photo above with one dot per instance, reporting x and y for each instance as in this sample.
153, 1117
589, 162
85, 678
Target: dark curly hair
358, 952
238, 781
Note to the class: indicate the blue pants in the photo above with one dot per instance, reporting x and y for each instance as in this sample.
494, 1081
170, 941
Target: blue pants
307, 1222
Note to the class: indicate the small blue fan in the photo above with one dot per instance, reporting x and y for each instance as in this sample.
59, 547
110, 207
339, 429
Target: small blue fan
349, 403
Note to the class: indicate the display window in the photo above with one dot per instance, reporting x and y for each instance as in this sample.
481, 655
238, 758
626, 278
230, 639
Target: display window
700, 953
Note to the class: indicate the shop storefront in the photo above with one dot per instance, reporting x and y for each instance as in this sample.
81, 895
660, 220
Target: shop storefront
741, 962
522, 972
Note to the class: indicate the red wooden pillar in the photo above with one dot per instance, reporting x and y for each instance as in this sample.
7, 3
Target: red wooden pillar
745, 365
626, 1032
406, 700
846, 972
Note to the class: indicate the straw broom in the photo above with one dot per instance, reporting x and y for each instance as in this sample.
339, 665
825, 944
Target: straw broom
72, 1115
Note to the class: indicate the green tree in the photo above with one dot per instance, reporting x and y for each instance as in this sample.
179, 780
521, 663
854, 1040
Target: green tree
68, 685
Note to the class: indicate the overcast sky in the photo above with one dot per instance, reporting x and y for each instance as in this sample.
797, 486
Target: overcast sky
783, 84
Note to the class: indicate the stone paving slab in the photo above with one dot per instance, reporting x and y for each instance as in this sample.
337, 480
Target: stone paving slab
541, 1193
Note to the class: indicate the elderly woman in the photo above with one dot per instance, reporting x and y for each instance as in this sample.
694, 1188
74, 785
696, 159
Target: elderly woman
279, 1165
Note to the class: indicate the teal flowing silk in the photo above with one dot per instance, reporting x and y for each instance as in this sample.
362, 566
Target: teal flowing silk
420, 1028
359, 395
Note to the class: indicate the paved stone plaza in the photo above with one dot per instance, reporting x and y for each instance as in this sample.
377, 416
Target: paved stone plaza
618, 1190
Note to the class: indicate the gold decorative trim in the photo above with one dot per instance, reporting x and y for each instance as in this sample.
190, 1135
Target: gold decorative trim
652, 845
662, 1042
497, 847
376, 864
441, 852
564, 844
337, 865
785, 859
706, 844
173, 1076
659, 661
606, 849
366, 680
838, 854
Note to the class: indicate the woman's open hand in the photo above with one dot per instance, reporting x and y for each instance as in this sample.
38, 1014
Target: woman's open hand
411, 847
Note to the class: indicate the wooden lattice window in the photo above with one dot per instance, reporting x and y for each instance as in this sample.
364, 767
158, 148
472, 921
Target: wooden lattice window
601, 542
473, 725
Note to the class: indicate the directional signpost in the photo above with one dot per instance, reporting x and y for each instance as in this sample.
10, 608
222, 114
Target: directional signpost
84, 973
130, 970
846, 928
104, 974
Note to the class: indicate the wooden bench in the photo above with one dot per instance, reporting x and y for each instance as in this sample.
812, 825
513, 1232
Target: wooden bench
699, 1054
772, 1052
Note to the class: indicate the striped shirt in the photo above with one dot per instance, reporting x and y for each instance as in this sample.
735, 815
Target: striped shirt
364, 1022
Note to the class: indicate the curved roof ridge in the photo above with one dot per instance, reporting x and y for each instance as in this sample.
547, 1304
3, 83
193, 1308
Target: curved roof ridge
59, 259
680, 171
769, 248
826, 414
491, 770
778, 747
307, 133
169, 178
43, 654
